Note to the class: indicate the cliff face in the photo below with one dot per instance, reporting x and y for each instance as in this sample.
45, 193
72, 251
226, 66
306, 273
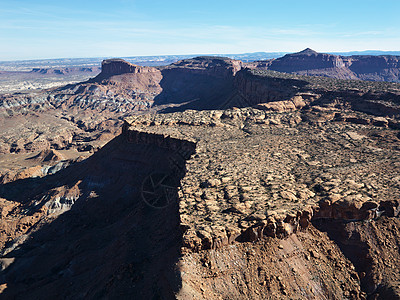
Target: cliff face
364, 67
213, 66
199, 83
289, 200
220, 67
256, 86
306, 60
377, 68
259, 89
180, 206
114, 67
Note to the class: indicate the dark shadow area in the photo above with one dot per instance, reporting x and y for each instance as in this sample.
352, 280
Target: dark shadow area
111, 244
369, 64
261, 87
350, 244
357, 242
192, 89
206, 90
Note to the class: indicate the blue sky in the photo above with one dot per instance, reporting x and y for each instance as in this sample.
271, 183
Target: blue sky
34, 29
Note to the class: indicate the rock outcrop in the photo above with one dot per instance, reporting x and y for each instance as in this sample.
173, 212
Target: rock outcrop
297, 102
306, 60
90, 113
187, 200
115, 66
47, 156
64, 71
227, 196
310, 62
221, 67
264, 86
217, 203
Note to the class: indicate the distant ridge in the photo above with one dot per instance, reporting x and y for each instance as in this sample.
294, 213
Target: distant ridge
367, 52
162, 60
306, 51
310, 62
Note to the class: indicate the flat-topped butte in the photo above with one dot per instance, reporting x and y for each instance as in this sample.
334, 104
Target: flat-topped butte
258, 173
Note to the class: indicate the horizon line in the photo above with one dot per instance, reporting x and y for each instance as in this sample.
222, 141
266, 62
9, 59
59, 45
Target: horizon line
198, 54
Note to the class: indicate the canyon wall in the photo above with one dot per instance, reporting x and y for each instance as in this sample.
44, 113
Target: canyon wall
310, 62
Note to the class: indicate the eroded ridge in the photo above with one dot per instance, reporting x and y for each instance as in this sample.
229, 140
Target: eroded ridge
257, 173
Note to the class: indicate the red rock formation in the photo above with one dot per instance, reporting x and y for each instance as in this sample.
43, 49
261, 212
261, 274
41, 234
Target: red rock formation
113, 67
306, 60
221, 67
310, 62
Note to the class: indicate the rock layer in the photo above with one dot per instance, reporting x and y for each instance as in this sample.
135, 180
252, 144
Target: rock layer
205, 204
310, 62
230, 193
114, 67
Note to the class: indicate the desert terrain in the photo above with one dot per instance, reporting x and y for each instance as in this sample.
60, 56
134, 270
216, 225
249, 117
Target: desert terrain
205, 178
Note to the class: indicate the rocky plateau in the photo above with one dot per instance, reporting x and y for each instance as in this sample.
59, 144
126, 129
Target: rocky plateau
310, 62
208, 178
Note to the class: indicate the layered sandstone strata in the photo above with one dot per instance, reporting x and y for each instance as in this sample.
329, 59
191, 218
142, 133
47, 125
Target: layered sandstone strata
310, 62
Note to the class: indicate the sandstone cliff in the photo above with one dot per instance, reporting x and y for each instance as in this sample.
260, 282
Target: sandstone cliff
286, 192
208, 204
214, 66
88, 112
113, 67
309, 62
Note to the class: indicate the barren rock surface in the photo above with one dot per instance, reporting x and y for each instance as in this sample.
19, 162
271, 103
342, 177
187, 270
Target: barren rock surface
285, 187
256, 173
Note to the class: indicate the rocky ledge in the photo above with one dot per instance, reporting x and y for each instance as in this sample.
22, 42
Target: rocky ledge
255, 173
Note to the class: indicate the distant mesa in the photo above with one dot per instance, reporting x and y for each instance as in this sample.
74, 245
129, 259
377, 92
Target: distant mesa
212, 65
47, 71
64, 71
312, 63
248, 156
307, 59
118, 66
209, 60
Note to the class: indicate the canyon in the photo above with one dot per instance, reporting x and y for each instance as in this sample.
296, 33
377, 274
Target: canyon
209, 178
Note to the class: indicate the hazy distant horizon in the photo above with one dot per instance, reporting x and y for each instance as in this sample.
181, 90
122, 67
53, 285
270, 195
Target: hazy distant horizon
232, 55
45, 29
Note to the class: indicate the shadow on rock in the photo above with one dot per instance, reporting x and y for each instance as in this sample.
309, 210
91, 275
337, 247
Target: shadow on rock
113, 242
